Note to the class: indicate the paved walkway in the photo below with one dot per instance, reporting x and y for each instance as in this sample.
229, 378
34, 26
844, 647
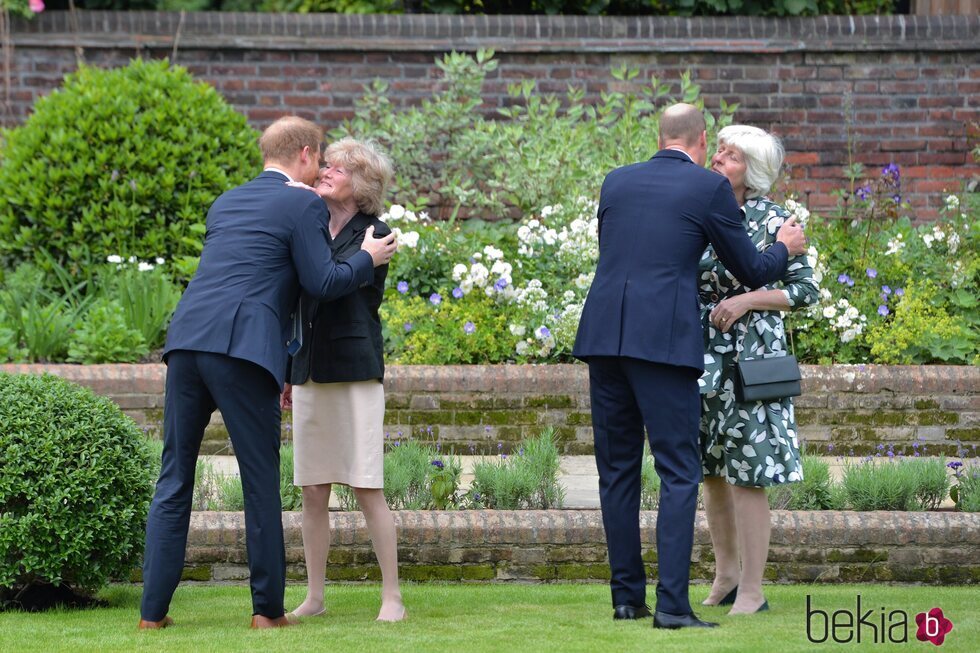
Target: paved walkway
577, 475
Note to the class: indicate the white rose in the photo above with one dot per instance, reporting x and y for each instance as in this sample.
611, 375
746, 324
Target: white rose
829, 312
396, 211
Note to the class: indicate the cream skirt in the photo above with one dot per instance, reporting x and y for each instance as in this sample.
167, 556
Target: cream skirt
338, 433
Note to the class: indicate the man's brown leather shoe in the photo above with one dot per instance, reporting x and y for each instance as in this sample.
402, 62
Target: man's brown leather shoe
155, 625
259, 621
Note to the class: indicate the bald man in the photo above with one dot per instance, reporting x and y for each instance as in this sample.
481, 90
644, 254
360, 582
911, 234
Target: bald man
642, 339
226, 349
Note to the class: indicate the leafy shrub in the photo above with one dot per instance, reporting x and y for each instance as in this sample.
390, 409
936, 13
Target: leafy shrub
649, 482
893, 292
39, 319
105, 337
290, 495
122, 161
75, 486
966, 492
526, 480
905, 484
815, 492
148, 298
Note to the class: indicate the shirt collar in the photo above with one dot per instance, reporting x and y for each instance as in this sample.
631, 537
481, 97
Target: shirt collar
682, 151
280, 171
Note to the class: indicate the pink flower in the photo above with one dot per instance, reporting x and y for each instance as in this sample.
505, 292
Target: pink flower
37, 6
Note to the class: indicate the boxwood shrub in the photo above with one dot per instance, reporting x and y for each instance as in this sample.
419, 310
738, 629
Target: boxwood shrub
123, 161
75, 487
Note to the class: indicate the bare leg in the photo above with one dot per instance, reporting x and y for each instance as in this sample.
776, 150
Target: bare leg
752, 516
381, 525
719, 508
316, 546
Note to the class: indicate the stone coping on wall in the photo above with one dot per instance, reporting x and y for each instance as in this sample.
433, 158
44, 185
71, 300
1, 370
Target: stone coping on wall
488, 545
439, 33
124, 378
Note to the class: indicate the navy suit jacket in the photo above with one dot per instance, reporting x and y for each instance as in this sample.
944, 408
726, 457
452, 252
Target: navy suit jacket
655, 220
264, 241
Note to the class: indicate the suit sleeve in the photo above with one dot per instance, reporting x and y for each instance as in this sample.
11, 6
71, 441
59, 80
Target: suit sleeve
734, 247
318, 273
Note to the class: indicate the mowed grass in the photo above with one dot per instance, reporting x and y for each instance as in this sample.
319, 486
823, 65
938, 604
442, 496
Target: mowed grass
477, 618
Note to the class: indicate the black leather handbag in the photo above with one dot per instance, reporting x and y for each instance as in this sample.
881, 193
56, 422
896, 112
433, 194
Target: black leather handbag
764, 379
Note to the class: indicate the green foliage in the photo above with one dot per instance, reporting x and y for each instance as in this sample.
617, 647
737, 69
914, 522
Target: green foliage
649, 482
148, 298
120, 162
815, 492
37, 320
527, 479
105, 337
905, 484
966, 492
75, 486
893, 292
290, 495
448, 153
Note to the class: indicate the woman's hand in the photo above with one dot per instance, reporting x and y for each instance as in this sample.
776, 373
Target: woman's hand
286, 400
728, 311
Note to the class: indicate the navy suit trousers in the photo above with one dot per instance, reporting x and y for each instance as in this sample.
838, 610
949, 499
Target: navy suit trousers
248, 397
628, 393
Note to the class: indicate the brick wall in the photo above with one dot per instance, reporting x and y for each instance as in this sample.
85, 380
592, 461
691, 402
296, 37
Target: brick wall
563, 545
845, 409
908, 87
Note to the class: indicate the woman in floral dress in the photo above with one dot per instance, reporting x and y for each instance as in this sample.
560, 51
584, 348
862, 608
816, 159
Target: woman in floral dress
746, 447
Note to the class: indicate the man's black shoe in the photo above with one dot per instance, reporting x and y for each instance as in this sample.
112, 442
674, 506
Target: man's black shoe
665, 620
631, 612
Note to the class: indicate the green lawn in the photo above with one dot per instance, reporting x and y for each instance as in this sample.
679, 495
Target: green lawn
475, 618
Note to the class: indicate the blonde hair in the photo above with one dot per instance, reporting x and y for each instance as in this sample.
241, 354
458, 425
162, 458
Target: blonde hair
283, 140
763, 156
369, 169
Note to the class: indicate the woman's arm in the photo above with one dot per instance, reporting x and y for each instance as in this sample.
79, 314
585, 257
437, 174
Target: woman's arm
731, 309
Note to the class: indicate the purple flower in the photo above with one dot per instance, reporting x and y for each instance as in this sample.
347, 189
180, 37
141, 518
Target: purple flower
457, 292
503, 456
435, 298
897, 198
886, 290
899, 292
500, 284
842, 278
954, 464
891, 174
438, 464
863, 193
872, 273
883, 310
408, 327
469, 327
830, 447
402, 287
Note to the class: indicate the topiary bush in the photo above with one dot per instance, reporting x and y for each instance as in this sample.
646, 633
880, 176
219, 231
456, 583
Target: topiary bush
120, 162
75, 487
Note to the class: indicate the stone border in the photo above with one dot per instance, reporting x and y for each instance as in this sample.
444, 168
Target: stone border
125, 378
556, 545
440, 33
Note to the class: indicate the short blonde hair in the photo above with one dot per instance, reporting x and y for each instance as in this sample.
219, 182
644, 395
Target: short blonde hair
283, 140
369, 169
763, 156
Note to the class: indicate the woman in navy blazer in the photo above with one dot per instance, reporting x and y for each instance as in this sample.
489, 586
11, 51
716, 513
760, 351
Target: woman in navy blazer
338, 398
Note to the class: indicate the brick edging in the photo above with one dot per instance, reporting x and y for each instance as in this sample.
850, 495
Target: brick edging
548, 545
439, 33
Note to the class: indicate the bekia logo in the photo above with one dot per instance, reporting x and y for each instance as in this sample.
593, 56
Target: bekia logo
874, 626
933, 626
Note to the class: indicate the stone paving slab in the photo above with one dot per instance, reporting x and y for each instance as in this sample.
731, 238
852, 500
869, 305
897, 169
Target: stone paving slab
577, 475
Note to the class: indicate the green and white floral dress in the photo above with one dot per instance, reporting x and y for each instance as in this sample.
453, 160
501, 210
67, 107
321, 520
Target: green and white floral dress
751, 444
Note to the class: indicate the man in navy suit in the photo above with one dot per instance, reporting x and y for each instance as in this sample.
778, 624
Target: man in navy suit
227, 349
641, 336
